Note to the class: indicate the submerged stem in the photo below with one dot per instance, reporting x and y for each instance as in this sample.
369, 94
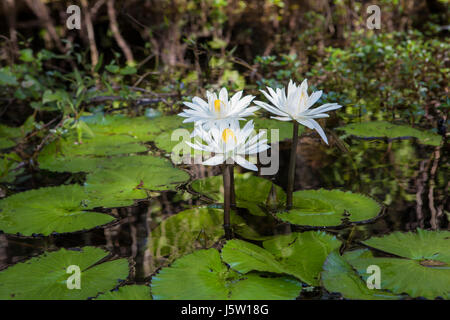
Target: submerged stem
291, 173
227, 200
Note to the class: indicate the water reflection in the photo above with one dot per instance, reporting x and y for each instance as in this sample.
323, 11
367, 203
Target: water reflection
410, 179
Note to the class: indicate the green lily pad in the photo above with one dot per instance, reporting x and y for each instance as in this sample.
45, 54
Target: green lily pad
46, 210
130, 292
205, 277
124, 179
67, 155
383, 129
45, 277
285, 129
177, 147
325, 208
298, 254
187, 231
303, 253
339, 276
421, 245
423, 270
141, 128
253, 193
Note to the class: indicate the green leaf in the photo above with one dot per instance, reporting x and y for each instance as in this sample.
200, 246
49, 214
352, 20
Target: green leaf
9, 167
303, 253
10, 135
329, 208
67, 155
26, 55
383, 129
205, 277
423, 270
130, 292
45, 278
7, 78
253, 193
431, 245
338, 276
46, 210
124, 179
244, 257
142, 128
298, 254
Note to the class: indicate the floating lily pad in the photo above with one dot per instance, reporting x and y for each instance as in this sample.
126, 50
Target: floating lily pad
186, 231
303, 253
67, 155
46, 210
421, 245
130, 292
339, 276
179, 151
253, 193
285, 129
204, 277
383, 129
141, 128
423, 270
124, 179
325, 208
298, 254
45, 277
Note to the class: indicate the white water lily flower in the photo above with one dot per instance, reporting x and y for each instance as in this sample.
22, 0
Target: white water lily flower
230, 142
297, 106
219, 110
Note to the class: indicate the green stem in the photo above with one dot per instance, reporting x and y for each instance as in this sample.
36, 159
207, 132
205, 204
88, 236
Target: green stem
227, 200
291, 173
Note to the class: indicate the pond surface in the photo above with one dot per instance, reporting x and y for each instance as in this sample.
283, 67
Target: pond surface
408, 178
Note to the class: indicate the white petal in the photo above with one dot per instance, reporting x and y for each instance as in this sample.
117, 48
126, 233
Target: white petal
245, 164
318, 129
313, 98
283, 118
223, 95
217, 159
324, 108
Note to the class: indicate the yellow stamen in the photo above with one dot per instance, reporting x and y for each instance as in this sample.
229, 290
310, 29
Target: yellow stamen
217, 105
227, 134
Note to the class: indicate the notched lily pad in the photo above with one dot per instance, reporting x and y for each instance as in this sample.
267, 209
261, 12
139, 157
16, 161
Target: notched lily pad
298, 254
68, 155
423, 269
326, 208
143, 129
124, 179
383, 129
130, 292
46, 210
256, 194
203, 276
339, 276
45, 277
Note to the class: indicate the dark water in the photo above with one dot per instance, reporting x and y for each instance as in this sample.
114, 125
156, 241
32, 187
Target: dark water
411, 180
